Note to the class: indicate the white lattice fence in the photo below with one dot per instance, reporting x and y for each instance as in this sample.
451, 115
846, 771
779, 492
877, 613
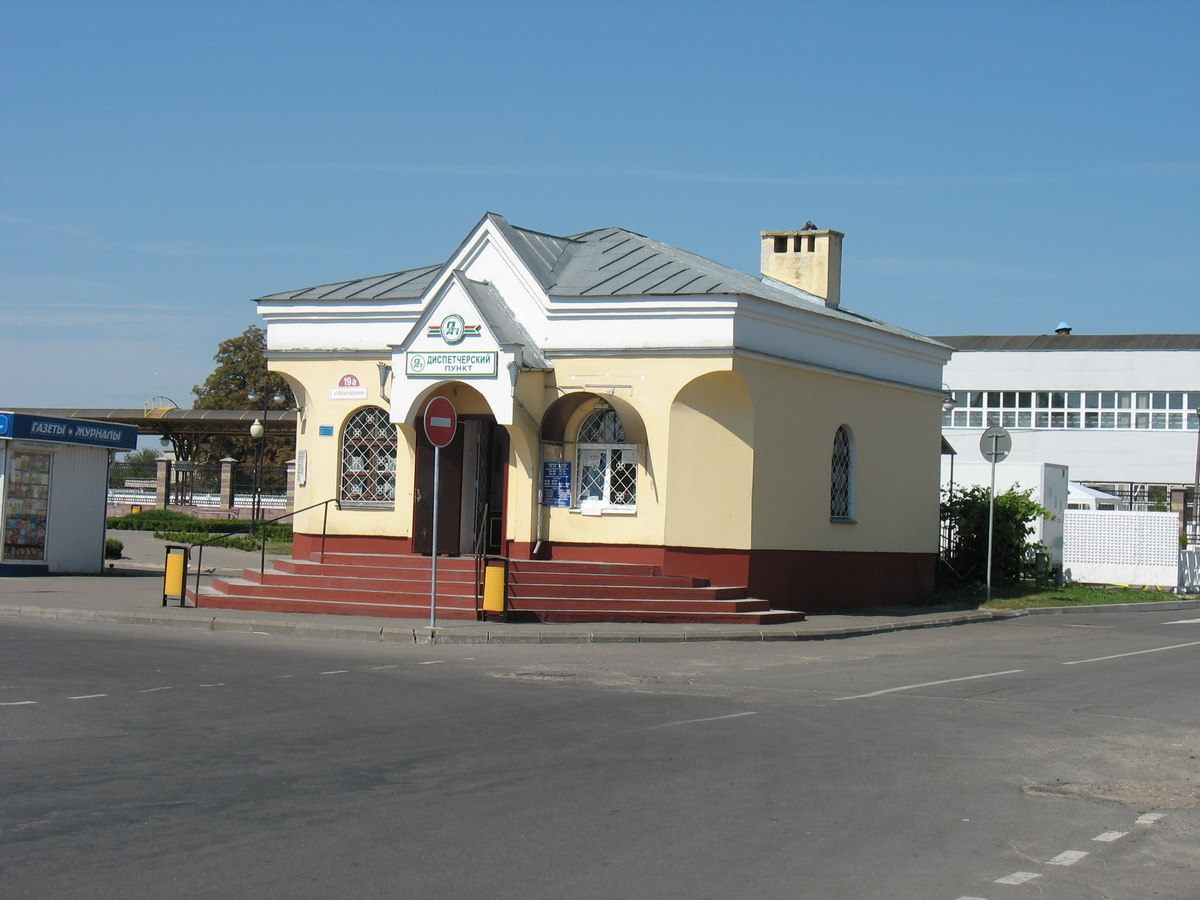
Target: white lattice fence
1103, 547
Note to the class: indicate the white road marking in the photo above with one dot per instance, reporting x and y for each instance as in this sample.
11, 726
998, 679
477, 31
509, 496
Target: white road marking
384, 667
709, 719
431, 662
971, 898
283, 676
1109, 836
214, 684
336, 672
87, 696
20, 703
1018, 878
152, 690
1067, 858
1149, 818
1077, 662
1184, 622
913, 687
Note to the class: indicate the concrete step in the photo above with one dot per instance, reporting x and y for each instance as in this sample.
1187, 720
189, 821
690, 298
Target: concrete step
467, 563
396, 610
457, 573
245, 587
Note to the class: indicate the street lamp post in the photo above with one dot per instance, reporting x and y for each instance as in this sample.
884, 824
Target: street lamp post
258, 431
1196, 489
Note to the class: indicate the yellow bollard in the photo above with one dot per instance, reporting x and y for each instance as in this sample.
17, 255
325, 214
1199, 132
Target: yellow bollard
494, 578
175, 574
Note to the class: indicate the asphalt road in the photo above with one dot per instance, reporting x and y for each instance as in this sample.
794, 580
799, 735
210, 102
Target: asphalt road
1049, 757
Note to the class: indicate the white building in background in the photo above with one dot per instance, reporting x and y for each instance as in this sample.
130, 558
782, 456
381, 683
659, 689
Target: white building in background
1118, 410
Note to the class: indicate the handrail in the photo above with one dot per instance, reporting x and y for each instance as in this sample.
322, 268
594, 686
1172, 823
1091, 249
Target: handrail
262, 564
480, 553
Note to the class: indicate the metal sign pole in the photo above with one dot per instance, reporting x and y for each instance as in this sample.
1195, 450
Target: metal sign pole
994, 444
437, 484
991, 515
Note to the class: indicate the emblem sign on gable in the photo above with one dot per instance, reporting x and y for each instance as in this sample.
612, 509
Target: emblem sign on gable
453, 329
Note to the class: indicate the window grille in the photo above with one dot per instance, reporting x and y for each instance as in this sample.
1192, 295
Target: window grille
369, 459
842, 476
606, 464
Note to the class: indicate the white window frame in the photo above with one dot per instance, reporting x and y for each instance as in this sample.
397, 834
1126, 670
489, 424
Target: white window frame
610, 449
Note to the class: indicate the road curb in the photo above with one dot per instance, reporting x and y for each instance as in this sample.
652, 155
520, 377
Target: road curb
400, 635
1157, 605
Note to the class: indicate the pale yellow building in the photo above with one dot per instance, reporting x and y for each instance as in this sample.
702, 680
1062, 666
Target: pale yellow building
625, 401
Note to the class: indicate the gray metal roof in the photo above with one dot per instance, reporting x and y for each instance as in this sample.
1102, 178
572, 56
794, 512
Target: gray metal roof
406, 285
503, 324
1046, 342
606, 262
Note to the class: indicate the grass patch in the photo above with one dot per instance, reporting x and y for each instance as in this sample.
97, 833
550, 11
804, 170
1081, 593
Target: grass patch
1029, 596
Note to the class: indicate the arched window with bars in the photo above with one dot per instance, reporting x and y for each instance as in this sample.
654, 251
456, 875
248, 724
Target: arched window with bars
368, 459
842, 477
606, 464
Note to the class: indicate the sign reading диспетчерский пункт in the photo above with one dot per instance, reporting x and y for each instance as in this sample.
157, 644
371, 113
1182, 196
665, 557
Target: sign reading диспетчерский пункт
459, 363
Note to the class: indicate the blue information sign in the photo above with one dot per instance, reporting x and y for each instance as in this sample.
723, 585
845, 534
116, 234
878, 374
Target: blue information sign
68, 431
556, 484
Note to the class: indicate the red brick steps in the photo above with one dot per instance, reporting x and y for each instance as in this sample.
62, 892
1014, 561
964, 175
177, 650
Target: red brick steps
546, 590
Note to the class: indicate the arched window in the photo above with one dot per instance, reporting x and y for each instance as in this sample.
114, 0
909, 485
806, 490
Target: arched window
368, 459
606, 465
841, 488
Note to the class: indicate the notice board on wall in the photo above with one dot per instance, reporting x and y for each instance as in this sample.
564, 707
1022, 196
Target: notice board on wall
556, 483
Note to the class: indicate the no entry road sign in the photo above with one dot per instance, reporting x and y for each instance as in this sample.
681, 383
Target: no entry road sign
441, 421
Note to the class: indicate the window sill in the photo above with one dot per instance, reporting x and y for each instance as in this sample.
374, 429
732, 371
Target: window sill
386, 505
607, 511
843, 520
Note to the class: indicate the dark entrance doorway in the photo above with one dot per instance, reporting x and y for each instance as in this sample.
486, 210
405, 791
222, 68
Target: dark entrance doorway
473, 469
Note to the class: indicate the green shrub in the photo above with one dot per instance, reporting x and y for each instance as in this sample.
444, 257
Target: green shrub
191, 530
113, 548
236, 542
965, 510
151, 520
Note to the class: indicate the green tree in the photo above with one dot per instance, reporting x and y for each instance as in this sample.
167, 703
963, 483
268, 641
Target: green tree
140, 464
242, 368
965, 522
144, 458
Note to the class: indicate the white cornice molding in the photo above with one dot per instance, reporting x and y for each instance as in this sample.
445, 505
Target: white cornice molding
323, 354
813, 324
742, 353
841, 373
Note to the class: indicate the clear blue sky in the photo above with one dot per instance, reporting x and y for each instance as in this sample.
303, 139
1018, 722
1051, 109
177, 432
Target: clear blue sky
996, 167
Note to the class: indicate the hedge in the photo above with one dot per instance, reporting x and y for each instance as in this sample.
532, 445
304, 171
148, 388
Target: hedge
187, 528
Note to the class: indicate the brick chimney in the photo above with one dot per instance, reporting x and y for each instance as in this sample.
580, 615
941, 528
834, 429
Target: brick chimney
810, 259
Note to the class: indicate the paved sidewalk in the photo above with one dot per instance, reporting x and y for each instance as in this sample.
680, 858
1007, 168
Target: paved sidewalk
130, 592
